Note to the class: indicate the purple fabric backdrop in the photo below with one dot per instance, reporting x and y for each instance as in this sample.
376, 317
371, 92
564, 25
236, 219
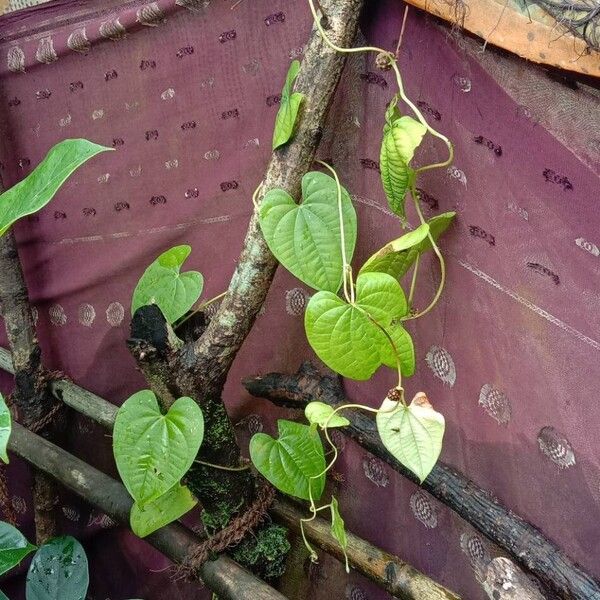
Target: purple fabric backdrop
188, 98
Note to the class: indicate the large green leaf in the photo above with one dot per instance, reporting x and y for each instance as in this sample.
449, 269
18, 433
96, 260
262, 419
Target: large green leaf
412, 434
162, 511
396, 258
163, 284
403, 347
306, 238
58, 571
400, 140
5, 428
288, 109
290, 461
153, 451
345, 336
39, 187
320, 413
14, 547
338, 529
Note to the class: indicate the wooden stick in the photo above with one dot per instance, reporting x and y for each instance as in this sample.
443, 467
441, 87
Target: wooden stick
225, 577
395, 576
526, 544
319, 74
31, 396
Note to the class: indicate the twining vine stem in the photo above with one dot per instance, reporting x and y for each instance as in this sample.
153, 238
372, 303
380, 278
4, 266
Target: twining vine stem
393, 63
325, 427
348, 283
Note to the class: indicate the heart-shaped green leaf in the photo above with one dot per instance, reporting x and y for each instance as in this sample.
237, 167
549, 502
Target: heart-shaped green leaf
288, 108
338, 529
153, 451
306, 238
400, 140
320, 413
39, 187
396, 260
162, 511
291, 461
58, 571
14, 547
5, 428
412, 434
163, 284
345, 336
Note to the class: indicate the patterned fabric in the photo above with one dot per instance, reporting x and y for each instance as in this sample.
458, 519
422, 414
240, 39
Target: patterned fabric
187, 93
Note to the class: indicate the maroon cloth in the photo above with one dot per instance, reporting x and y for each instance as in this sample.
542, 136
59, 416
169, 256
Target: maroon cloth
188, 98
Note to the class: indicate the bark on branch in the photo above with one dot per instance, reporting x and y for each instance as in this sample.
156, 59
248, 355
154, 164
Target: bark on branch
477, 506
30, 396
388, 571
210, 356
225, 577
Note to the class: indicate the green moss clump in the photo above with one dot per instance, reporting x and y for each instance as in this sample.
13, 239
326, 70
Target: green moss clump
217, 519
265, 552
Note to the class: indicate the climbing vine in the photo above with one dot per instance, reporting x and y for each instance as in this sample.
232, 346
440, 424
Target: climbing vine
357, 331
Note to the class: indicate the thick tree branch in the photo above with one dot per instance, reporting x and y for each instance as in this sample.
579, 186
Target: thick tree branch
210, 357
395, 576
225, 577
30, 396
477, 506
200, 368
390, 572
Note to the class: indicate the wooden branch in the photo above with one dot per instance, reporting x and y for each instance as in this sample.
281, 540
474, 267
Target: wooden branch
382, 568
526, 544
210, 356
30, 396
200, 368
395, 576
225, 577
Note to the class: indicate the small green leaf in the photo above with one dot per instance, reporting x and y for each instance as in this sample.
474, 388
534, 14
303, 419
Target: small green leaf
412, 434
164, 510
163, 284
338, 529
153, 451
288, 108
403, 347
14, 547
3, 596
400, 140
5, 428
397, 262
39, 187
58, 571
290, 461
320, 413
344, 336
306, 238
